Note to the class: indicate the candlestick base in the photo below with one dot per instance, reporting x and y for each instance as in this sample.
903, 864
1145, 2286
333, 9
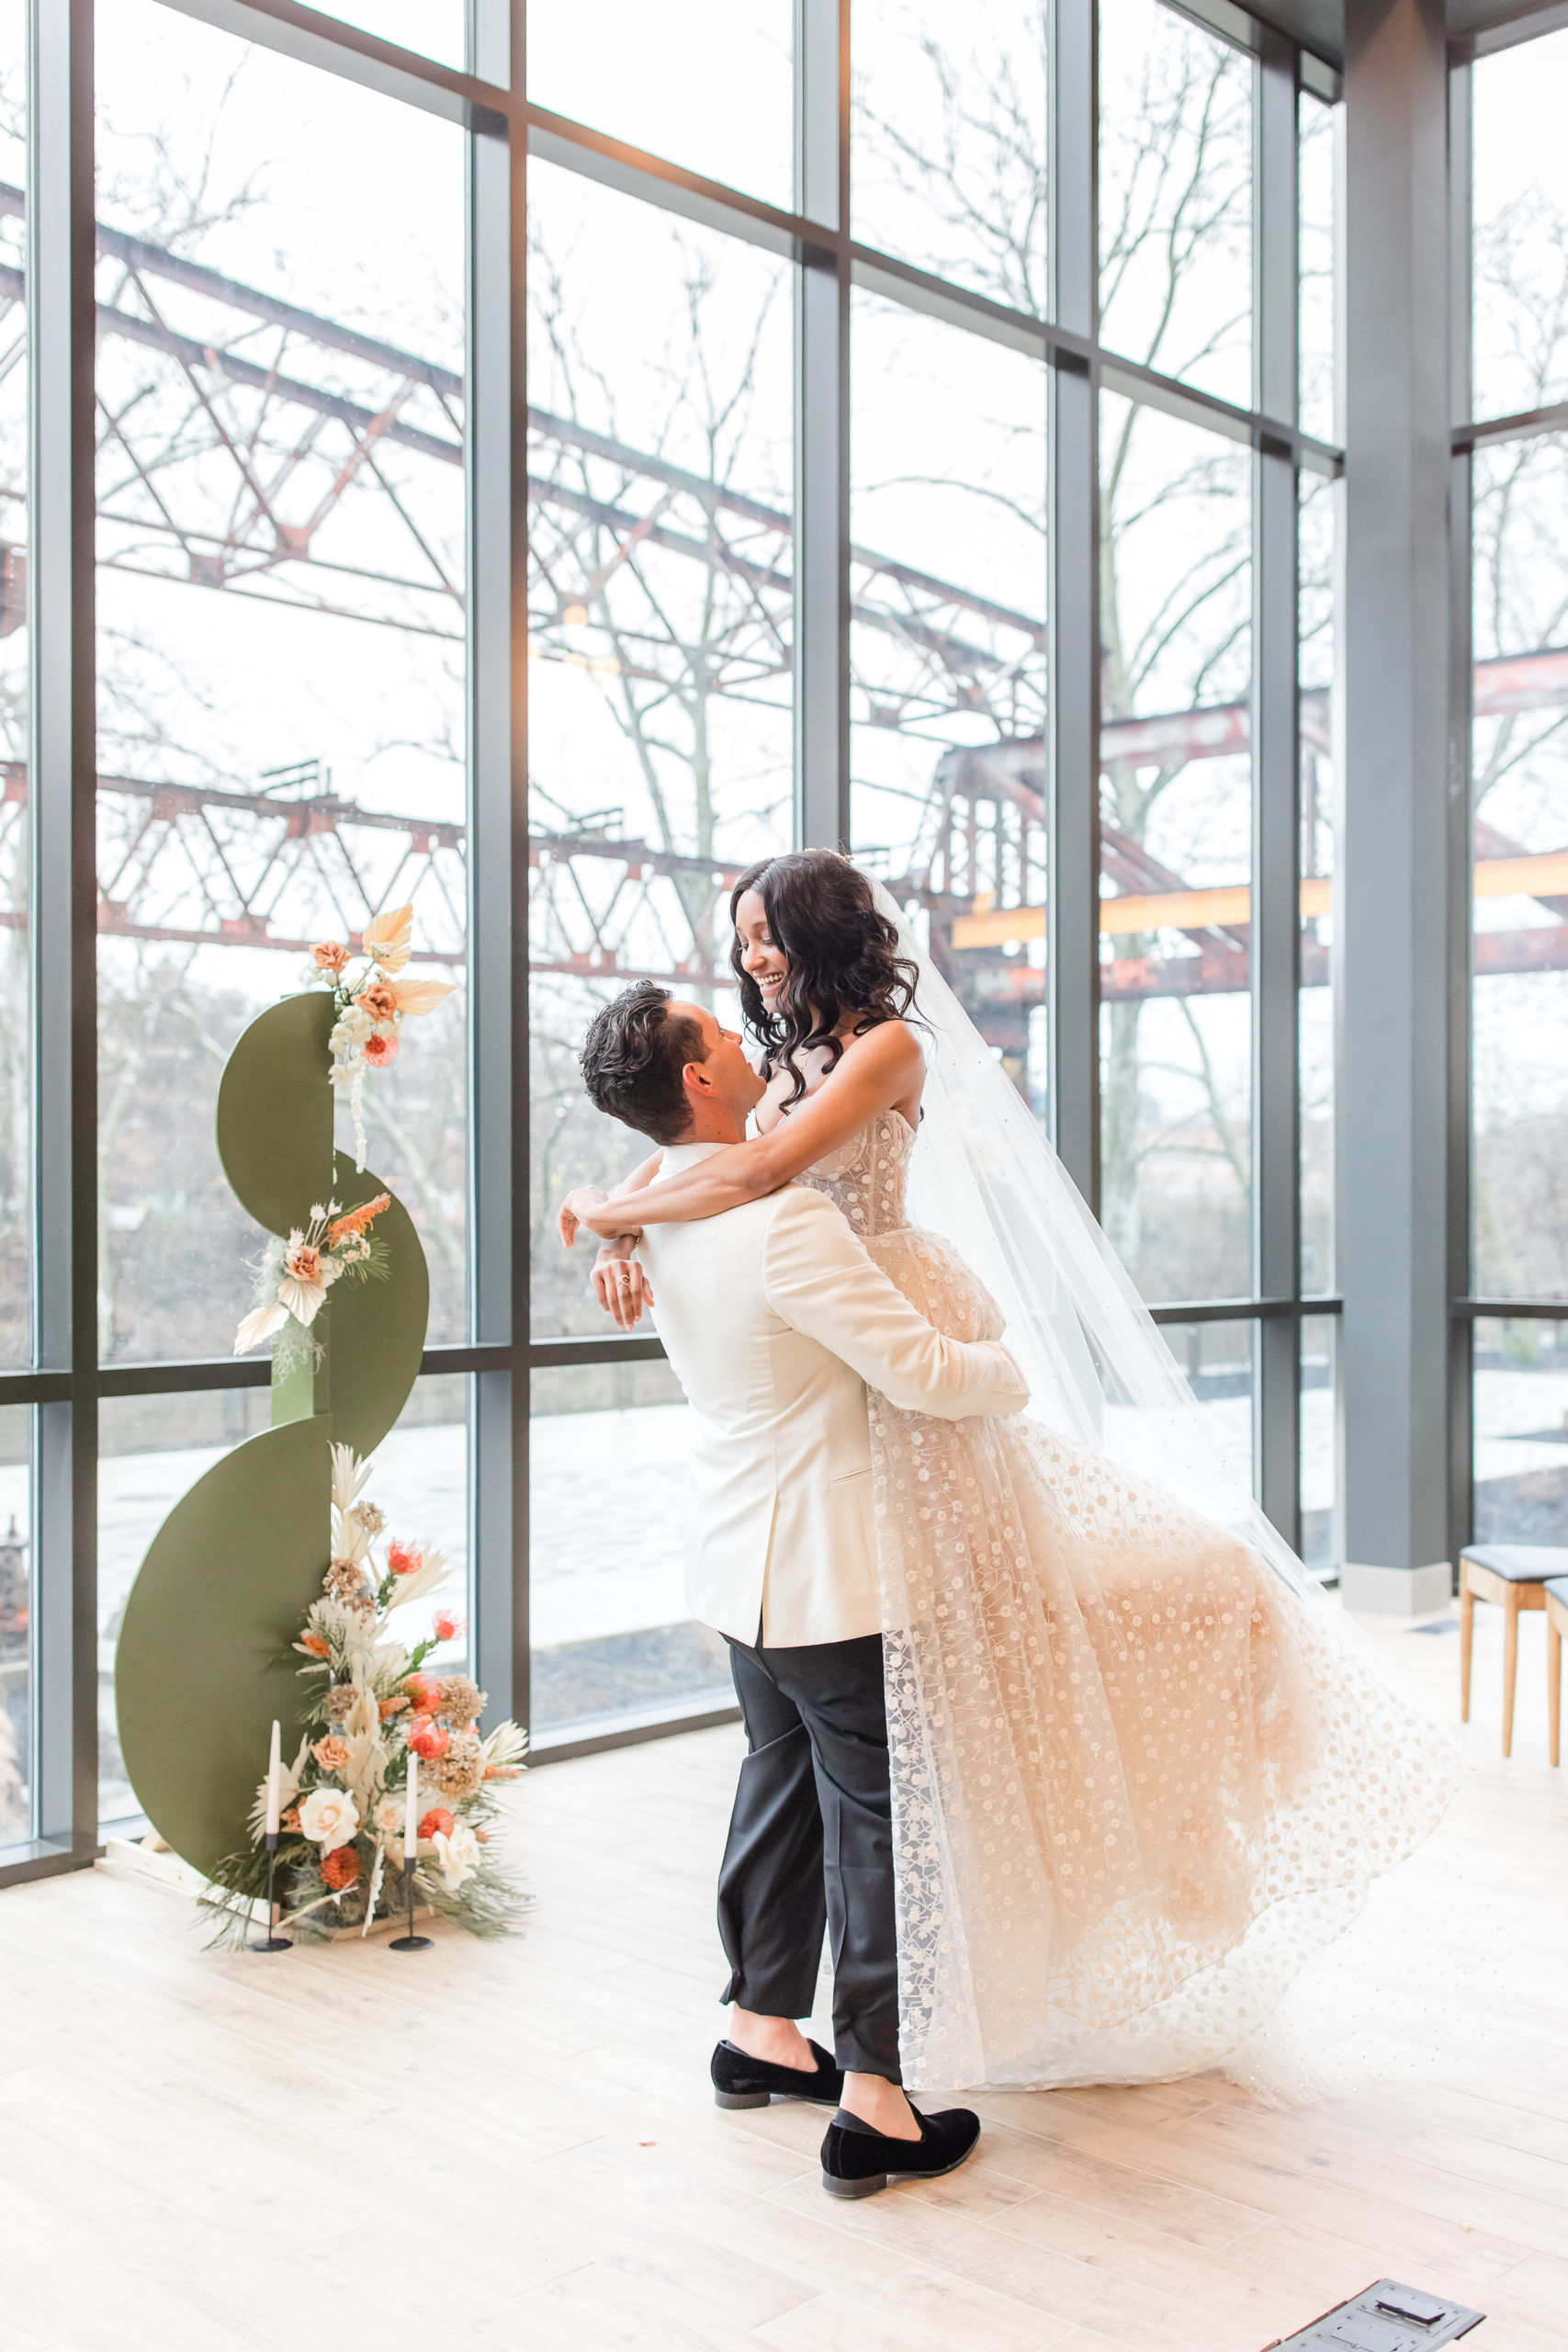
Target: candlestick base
410, 1943
271, 1942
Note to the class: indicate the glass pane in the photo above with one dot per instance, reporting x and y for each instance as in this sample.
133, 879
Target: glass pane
1176, 854
611, 1640
1520, 751
949, 132
16, 1613
1319, 130
660, 601
1319, 1344
1520, 228
1176, 198
1320, 502
948, 656
1217, 1360
1521, 1431
434, 28
15, 1148
151, 1449
710, 83
281, 626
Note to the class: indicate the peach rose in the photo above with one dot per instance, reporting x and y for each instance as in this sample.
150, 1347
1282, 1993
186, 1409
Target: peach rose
329, 956
330, 1753
377, 999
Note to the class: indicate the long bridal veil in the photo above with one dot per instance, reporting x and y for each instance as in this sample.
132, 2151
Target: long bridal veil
987, 1179
1325, 1779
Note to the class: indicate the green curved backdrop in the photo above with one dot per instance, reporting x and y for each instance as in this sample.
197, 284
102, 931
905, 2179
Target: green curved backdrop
199, 1670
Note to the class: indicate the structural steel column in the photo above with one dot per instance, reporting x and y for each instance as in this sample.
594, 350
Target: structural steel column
1392, 905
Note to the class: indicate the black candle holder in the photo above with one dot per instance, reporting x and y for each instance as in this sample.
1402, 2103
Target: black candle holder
270, 1942
410, 1942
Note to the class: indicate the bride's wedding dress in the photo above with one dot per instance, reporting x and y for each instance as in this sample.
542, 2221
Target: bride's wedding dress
1140, 1773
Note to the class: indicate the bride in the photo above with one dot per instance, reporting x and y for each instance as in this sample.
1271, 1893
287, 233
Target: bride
1142, 1767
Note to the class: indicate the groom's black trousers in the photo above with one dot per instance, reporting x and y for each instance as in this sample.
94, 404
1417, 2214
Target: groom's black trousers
812, 1845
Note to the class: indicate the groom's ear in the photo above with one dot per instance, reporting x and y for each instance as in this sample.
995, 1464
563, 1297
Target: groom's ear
696, 1077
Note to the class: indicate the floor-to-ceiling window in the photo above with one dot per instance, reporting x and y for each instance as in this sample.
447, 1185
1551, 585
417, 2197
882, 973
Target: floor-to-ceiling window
1515, 453
924, 443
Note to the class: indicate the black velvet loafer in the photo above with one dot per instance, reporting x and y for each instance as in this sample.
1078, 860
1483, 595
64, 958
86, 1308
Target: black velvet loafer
857, 2161
739, 2081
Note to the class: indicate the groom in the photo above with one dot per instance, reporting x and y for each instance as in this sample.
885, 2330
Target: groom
775, 1318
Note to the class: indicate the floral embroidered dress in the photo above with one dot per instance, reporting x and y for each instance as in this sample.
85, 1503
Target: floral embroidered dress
1138, 1781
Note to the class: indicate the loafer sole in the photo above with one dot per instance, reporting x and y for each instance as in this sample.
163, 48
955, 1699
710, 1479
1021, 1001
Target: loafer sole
879, 2181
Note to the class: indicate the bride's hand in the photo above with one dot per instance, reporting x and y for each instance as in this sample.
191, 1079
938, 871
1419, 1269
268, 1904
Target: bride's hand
574, 1211
620, 1285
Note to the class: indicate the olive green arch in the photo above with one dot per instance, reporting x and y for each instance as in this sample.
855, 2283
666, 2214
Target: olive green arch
203, 1664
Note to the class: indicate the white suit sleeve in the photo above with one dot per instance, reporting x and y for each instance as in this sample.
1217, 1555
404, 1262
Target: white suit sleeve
820, 1278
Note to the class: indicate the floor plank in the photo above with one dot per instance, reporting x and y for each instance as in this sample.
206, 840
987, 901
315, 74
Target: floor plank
180, 2121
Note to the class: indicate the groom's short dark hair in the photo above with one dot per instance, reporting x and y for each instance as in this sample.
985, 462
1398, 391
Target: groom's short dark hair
632, 1059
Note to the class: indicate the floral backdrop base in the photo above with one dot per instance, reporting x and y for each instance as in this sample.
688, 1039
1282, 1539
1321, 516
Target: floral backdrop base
339, 1864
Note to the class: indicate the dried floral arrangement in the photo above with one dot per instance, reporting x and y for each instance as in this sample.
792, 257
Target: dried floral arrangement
294, 1276
372, 1005
340, 1861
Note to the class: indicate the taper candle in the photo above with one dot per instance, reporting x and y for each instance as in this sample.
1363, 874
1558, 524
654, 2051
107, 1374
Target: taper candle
274, 1783
410, 1818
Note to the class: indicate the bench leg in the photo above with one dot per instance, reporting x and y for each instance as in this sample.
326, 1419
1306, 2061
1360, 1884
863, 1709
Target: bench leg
1510, 1667
1466, 1638
1554, 1690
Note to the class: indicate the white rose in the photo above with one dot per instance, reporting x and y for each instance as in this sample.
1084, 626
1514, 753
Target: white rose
390, 1814
329, 1817
456, 1856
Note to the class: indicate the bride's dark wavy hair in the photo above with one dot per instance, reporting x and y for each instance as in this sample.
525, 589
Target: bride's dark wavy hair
844, 958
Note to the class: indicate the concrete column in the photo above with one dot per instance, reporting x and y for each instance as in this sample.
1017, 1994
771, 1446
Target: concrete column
1392, 899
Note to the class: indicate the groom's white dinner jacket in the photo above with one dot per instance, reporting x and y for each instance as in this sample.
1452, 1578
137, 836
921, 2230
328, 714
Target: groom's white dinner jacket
776, 1321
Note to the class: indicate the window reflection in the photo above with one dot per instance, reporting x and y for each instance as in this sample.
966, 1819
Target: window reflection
1520, 228
950, 146
17, 1616
1520, 752
948, 657
1176, 198
281, 626
661, 600
1176, 850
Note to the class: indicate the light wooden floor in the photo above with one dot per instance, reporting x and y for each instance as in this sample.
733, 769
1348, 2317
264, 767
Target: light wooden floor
513, 2144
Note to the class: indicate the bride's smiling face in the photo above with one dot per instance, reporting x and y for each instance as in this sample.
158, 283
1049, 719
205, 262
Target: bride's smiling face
763, 958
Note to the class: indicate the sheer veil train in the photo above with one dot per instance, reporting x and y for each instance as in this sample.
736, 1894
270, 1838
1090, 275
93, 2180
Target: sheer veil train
1119, 1886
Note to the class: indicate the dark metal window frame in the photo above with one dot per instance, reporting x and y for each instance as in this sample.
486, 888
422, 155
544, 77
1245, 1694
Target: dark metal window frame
489, 100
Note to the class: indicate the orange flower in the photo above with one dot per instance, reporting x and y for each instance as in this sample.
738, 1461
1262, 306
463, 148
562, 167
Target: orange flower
290, 1820
404, 1562
391, 1707
428, 1739
423, 1693
358, 1219
339, 1868
314, 1645
381, 1049
329, 956
437, 1818
448, 1628
377, 999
